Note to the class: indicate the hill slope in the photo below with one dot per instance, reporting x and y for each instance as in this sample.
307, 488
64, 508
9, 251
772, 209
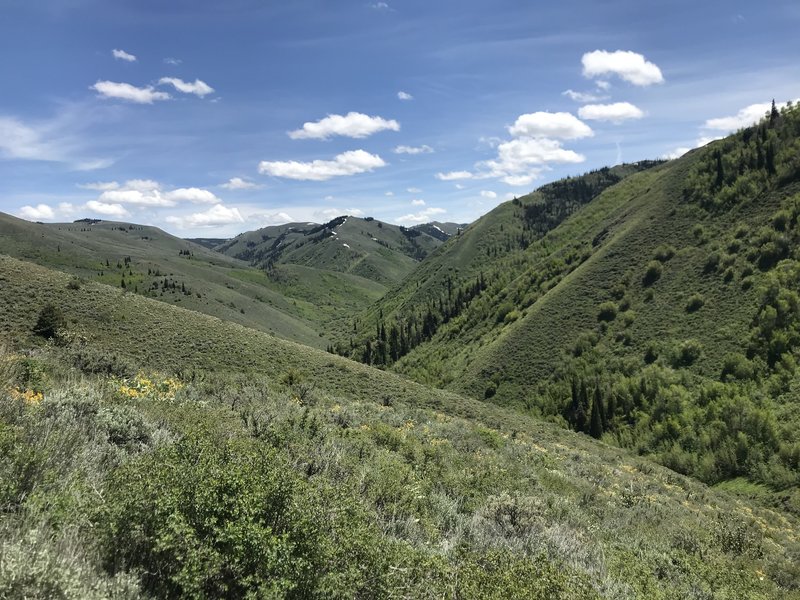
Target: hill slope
153, 263
365, 247
397, 489
649, 315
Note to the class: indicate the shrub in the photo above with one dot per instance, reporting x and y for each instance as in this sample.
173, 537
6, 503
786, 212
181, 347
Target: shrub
607, 312
503, 310
664, 253
652, 273
50, 321
74, 284
687, 353
695, 303
712, 262
737, 366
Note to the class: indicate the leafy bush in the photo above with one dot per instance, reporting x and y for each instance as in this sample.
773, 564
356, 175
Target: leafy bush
664, 253
652, 273
50, 321
607, 311
695, 303
687, 353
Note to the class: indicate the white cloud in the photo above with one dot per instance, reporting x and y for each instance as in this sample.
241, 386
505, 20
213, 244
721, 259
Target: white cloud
107, 209
616, 112
328, 198
630, 66
418, 202
146, 192
131, 93
215, 216
353, 124
389, 194
424, 149
18, 140
603, 85
560, 125
355, 212
404, 96
488, 194
198, 88
66, 208
136, 197
459, 186
122, 55
172, 61
454, 175
749, 115
237, 183
100, 186
93, 164
520, 180
420, 217
347, 163
413, 190
706, 139
37, 213
583, 96
380, 6
193, 195
676, 153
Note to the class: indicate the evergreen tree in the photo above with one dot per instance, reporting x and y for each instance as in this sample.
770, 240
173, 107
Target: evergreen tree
596, 420
50, 320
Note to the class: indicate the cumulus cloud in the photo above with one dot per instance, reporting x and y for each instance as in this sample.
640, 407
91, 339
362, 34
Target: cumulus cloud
488, 194
148, 193
107, 209
420, 217
603, 85
353, 124
389, 194
583, 96
172, 61
413, 190
193, 195
37, 213
747, 116
676, 153
418, 202
520, 161
630, 66
122, 55
454, 175
215, 216
404, 96
347, 163
237, 183
198, 88
559, 125
616, 112
424, 149
380, 6
131, 93
100, 186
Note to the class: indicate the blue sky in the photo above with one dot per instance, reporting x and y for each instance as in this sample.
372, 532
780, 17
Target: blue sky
212, 118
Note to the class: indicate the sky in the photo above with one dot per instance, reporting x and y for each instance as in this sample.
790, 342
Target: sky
210, 118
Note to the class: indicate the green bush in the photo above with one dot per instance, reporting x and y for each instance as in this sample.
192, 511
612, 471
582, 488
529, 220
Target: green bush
607, 311
50, 321
687, 353
695, 303
652, 272
664, 253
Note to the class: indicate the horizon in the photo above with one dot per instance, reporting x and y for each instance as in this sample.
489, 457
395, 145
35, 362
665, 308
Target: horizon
209, 121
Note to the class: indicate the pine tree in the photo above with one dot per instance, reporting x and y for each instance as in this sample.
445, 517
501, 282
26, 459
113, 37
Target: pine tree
596, 420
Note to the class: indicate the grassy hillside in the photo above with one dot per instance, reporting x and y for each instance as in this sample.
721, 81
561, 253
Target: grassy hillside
152, 263
272, 469
661, 315
367, 248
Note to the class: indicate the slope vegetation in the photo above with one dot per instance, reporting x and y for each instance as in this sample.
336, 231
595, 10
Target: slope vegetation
267, 468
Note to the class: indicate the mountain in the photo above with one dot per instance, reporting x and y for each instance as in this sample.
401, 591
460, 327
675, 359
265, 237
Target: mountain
440, 231
654, 307
153, 263
365, 247
175, 453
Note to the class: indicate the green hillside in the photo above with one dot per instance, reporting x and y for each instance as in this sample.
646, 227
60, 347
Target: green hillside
367, 248
150, 262
152, 450
658, 312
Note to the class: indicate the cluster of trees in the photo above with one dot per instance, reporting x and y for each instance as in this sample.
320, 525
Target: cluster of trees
408, 331
746, 164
